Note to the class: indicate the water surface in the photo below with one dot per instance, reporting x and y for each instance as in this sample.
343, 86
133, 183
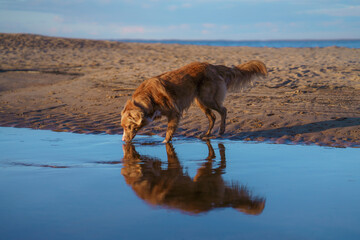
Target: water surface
77, 186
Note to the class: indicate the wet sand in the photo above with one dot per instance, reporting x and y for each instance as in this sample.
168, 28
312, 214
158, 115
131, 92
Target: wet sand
311, 96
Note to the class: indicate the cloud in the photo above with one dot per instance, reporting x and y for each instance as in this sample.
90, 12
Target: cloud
214, 29
179, 6
173, 7
104, 1
336, 23
55, 24
182, 19
205, 32
61, 25
341, 11
177, 27
132, 29
209, 25
58, 19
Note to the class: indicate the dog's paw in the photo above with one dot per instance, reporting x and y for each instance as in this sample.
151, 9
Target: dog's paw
206, 136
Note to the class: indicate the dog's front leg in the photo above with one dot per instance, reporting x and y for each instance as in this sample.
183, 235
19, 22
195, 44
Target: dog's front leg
173, 122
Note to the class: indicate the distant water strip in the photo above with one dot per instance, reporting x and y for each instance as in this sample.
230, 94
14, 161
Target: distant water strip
269, 43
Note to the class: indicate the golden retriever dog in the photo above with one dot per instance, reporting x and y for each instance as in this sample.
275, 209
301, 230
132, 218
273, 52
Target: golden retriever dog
170, 93
171, 187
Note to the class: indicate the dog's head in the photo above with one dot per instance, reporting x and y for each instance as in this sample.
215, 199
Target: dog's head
132, 120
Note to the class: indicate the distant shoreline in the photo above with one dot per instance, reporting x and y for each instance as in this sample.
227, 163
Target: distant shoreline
271, 43
348, 43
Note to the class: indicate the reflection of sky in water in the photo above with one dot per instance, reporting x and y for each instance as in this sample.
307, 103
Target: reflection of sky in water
311, 192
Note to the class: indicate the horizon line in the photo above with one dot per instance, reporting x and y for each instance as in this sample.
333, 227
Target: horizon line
210, 40
232, 40
189, 40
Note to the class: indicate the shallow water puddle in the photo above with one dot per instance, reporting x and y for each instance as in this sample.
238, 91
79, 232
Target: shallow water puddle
76, 186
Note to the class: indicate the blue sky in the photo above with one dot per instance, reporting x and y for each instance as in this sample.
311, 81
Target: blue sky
186, 19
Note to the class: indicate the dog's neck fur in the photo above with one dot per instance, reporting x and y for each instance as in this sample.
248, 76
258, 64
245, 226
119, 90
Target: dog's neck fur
146, 106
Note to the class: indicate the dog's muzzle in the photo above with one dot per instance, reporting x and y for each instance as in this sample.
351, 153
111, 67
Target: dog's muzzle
127, 137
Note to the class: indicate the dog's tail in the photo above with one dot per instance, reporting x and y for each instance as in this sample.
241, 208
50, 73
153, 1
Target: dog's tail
244, 74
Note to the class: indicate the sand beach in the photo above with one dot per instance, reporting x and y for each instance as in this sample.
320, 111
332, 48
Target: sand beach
311, 96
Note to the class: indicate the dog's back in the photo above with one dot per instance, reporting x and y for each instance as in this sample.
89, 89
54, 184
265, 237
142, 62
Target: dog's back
172, 91
176, 90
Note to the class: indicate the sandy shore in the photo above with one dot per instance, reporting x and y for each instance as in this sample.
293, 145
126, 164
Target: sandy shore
312, 95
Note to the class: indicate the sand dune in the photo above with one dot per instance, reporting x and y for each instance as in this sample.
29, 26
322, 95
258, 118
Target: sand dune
312, 95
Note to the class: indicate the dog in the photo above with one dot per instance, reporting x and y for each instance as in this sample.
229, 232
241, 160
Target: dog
170, 93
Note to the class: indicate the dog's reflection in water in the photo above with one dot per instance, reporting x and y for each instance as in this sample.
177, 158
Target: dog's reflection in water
174, 189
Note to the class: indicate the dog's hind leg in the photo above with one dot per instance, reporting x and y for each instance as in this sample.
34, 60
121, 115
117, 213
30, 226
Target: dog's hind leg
209, 114
217, 106
221, 110
212, 95
173, 121
223, 113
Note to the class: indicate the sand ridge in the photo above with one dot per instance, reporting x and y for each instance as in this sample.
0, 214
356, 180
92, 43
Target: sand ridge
310, 96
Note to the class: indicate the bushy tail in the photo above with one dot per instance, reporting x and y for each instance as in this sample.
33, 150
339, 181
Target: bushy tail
244, 74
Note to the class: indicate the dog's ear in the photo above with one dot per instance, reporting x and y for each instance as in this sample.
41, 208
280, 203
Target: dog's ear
136, 117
